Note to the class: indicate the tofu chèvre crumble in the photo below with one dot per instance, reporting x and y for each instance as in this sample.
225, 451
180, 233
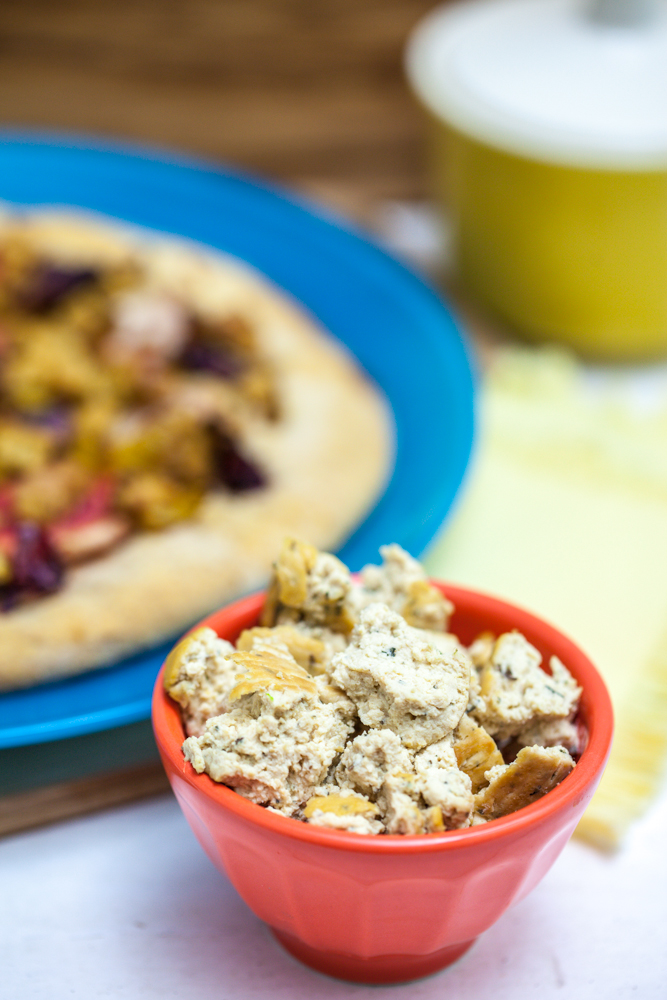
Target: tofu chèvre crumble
351, 706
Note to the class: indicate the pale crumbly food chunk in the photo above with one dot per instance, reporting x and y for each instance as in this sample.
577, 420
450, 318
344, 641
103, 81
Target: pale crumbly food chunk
310, 654
343, 810
405, 810
369, 759
399, 801
278, 739
308, 586
332, 695
533, 773
413, 795
516, 693
448, 643
443, 784
199, 674
398, 680
333, 642
401, 583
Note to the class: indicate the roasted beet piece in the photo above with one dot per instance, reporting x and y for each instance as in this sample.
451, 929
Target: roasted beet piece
57, 419
233, 469
37, 567
49, 284
199, 356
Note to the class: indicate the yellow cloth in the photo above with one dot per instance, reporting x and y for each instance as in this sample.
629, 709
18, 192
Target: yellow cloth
565, 513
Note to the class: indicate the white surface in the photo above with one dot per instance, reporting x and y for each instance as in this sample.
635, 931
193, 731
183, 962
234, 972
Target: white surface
541, 78
126, 905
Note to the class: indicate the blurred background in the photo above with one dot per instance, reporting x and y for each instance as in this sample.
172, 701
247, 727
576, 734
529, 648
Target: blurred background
310, 92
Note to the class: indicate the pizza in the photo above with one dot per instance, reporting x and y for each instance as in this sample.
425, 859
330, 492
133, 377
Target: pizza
167, 416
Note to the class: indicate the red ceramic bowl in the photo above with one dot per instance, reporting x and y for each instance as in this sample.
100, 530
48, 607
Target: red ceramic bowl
388, 908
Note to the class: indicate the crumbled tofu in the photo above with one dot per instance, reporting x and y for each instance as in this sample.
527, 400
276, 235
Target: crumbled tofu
309, 586
449, 790
398, 680
399, 804
401, 584
277, 741
369, 759
517, 693
534, 772
332, 695
199, 674
447, 643
404, 810
391, 726
443, 784
414, 797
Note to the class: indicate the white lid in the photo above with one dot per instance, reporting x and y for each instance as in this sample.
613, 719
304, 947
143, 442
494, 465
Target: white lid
548, 79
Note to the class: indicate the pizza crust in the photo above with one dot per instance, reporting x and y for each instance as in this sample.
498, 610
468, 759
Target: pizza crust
327, 459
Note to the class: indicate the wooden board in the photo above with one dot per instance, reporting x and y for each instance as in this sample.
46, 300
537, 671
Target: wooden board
303, 90
40, 806
44, 782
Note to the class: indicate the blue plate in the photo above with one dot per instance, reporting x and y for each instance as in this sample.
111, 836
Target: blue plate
397, 327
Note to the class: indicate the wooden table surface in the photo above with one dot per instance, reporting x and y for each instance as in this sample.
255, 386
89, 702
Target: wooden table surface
307, 91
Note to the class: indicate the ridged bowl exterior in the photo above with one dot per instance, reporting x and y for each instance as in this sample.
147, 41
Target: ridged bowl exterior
388, 908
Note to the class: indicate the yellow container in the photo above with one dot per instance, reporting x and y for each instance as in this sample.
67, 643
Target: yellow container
548, 142
566, 253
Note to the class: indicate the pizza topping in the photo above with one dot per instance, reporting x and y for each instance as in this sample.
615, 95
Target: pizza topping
23, 447
377, 731
199, 356
76, 543
104, 376
148, 325
50, 492
232, 468
36, 567
155, 501
48, 284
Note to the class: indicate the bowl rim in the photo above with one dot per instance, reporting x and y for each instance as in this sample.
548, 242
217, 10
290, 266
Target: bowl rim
595, 702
